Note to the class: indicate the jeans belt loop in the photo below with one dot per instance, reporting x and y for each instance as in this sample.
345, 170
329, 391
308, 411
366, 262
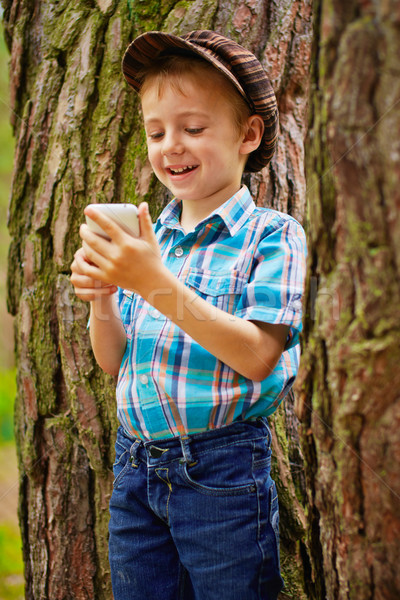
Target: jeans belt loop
187, 455
133, 452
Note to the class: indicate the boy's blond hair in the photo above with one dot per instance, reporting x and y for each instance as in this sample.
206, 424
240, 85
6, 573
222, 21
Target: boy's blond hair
173, 69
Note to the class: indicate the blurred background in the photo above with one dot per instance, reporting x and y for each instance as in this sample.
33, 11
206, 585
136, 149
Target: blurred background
11, 579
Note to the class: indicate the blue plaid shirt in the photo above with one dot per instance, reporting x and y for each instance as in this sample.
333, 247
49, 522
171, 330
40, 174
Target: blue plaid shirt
245, 260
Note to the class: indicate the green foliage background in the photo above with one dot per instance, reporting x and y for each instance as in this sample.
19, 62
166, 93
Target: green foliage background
6, 162
11, 579
7, 378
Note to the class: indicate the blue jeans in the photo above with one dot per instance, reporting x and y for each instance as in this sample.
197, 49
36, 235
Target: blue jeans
195, 518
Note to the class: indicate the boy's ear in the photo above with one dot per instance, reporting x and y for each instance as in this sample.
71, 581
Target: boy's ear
252, 135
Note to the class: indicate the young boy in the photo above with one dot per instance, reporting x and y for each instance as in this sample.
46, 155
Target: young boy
200, 318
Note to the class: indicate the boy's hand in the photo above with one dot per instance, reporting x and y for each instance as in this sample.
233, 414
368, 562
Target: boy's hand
87, 288
123, 260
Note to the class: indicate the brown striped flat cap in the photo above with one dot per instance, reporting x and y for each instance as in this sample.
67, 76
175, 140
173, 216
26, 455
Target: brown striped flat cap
240, 66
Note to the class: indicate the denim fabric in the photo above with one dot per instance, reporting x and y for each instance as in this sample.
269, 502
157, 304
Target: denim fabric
195, 518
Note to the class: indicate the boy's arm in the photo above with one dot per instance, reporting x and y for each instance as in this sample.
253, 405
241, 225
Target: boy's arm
252, 349
107, 333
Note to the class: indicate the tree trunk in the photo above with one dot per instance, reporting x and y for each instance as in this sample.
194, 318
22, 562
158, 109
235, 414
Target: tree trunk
349, 388
78, 140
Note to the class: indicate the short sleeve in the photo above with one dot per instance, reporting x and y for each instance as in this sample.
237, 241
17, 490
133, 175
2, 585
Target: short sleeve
275, 289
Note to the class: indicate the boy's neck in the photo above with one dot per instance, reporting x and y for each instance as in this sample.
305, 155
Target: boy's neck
189, 219
195, 211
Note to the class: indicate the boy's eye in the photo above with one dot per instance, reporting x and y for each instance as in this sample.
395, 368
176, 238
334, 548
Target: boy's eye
155, 136
194, 130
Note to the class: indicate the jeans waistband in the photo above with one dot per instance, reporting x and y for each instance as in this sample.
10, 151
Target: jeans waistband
158, 451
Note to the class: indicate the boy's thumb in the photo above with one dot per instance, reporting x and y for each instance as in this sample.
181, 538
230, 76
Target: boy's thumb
146, 225
146, 228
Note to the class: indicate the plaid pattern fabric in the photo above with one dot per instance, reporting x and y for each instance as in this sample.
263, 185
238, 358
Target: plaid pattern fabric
240, 66
246, 260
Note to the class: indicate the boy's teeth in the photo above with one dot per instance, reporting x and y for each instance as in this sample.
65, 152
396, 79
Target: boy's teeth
181, 169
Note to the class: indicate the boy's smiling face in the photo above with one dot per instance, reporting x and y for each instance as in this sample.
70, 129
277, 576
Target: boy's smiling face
194, 144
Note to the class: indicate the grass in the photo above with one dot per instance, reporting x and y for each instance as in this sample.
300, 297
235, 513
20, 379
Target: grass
11, 564
11, 567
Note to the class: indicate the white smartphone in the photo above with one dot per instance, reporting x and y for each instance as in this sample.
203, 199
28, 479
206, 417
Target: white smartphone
125, 215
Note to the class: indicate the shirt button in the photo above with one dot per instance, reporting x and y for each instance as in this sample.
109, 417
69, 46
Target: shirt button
297, 305
178, 251
155, 313
143, 379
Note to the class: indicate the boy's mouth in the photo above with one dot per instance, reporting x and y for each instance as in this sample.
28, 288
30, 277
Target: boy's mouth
181, 170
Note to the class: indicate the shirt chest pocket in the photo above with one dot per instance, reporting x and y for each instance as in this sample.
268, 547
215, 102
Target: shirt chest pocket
222, 289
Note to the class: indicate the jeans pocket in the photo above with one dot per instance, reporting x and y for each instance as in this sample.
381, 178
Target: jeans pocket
225, 471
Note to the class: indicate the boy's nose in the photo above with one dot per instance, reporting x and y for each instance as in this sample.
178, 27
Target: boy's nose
172, 144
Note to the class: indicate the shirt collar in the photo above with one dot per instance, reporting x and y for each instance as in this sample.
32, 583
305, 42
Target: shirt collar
234, 212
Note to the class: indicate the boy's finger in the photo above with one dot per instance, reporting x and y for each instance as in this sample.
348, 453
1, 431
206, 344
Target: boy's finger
88, 235
89, 294
80, 261
84, 281
95, 257
109, 226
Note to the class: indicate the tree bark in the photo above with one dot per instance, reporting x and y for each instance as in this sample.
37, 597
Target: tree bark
79, 139
349, 388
